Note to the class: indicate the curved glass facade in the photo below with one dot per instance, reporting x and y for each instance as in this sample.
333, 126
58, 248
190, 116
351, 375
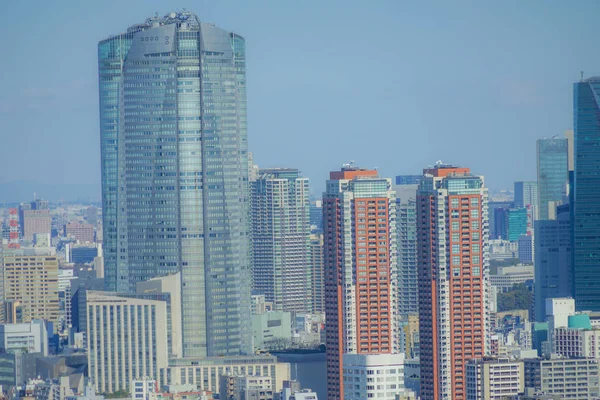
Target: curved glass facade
174, 172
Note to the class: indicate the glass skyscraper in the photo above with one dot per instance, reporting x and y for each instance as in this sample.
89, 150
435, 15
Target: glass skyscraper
553, 175
175, 172
586, 199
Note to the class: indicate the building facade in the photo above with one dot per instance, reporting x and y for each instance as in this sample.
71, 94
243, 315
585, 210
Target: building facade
175, 172
452, 229
586, 207
494, 379
80, 231
359, 215
317, 273
406, 228
31, 279
29, 337
576, 379
552, 173
281, 239
373, 376
526, 196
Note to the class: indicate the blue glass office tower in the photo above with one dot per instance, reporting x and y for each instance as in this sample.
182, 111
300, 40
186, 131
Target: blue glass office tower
553, 175
175, 172
586, 197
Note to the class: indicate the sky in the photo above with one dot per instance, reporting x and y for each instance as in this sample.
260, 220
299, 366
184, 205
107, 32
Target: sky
395, 85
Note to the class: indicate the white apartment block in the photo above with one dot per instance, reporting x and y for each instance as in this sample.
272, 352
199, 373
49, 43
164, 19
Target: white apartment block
378, 376
576, 379
494, 379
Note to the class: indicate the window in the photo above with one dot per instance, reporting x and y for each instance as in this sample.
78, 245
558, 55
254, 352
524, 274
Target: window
475, 236
455, 249
474, 201
475, 213
475, 260
455, 271
455, 237
476, 271
476, 248
474, 224
454, 202
455, 260
454, 225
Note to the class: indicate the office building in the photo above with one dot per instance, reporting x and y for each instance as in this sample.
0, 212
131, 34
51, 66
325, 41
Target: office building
492, 206
359, 215
408, 179
81, 253
205, 373
406, 228
510, 223
576, 379
272, 330
173, 113
30, 337
317, 273
526, 196
552, 173
81, 232
586, 196
507, 277
34, 218
364, 374
281, 239
452, 232
553, 260
31, 279
578, 339
245, 387
526, 249
494, 378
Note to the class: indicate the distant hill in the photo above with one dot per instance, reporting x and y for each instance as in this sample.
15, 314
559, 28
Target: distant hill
22, 191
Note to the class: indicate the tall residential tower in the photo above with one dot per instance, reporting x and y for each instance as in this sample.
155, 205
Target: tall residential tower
452, 231
175, 172
359, 213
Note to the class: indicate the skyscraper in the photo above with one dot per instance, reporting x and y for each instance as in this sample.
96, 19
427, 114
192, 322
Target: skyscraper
452, 228
526, 195
586, 207
359, 211
281, 239
552, 173
317, 274
175, 172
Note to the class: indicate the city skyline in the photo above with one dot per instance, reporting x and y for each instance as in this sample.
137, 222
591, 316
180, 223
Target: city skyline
514, 86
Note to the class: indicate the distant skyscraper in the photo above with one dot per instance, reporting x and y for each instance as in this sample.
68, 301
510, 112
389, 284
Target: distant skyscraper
586, 210
281, 239
35, 218
526, 195
316, 215
553, 260
453, 278
175, 172
510, 223
359, 211
317, 274
492, 207
552, 172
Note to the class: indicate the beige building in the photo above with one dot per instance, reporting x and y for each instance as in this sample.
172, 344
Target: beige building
35, 221
494, 378
31, 280
80, 231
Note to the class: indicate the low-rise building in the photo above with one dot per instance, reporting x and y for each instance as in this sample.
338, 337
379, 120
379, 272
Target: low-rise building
494, 378
27, 337
361, 370
245, 387
272, 329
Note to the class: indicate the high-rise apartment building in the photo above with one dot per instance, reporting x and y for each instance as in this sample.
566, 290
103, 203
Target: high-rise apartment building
359, 216
175, 172
452, 233
317, 273
406, 229
586, 207
31, 278
553, 260
281, 239
526, 195
552, 174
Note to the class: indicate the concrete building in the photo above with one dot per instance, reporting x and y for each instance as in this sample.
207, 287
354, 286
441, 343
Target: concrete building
507, 277
281, 239
317, 273
245, 387
494, 378
204, 373
143, 389
378, 376
453, 278
31, 279
30, 337
35, 218
553, 260
361, 283
558, 312
304, 394
79, 231
526, 249
194, 217
272, 330
135, 334
576, 379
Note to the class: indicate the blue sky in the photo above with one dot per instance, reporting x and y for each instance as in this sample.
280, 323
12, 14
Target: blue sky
390, 84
